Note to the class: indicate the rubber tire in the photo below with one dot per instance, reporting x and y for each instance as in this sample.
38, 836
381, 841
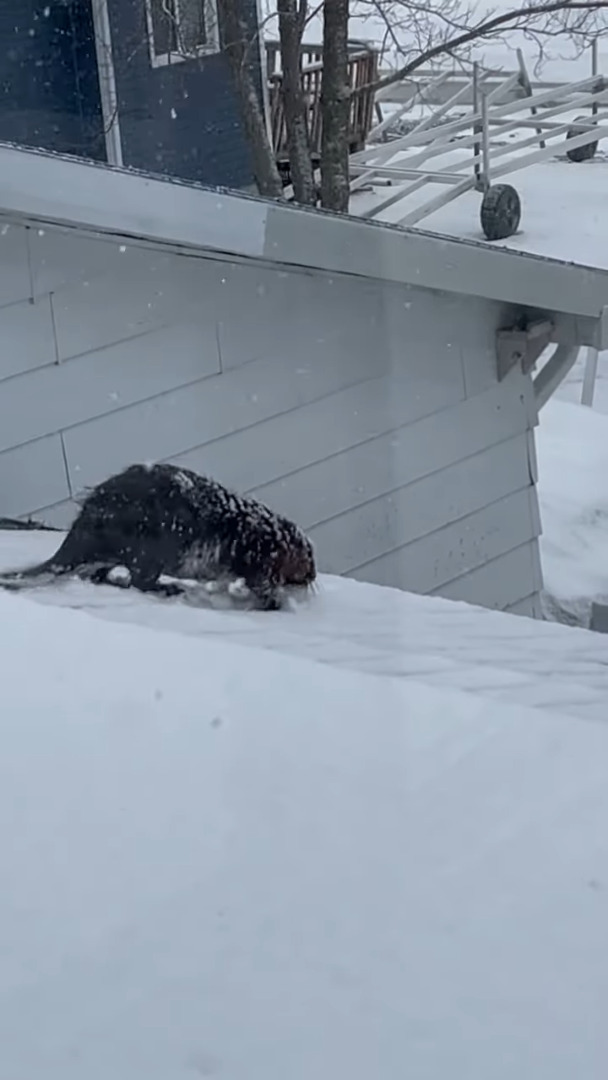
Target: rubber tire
581, 153
500, 213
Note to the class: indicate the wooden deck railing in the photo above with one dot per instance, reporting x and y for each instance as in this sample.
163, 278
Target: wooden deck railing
362, 71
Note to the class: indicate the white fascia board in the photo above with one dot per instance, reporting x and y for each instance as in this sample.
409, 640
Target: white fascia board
42, 187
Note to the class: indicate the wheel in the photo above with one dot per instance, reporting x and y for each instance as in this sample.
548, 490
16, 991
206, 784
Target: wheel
581, 153
500, 212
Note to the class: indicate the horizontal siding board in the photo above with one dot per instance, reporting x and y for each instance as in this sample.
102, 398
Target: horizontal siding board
280, 311
15, 280
432, 561
476, 322
146, 291
31, 476
58, 515
532, 456
500, 583
431, 425
167, 425
390, 461
26, 332
355, 538
417, 331
529, 606
62, 259
54, 398
539, 582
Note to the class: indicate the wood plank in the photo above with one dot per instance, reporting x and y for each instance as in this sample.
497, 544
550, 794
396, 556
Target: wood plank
475, 323
381, 525
147, 290
365, 413
58, 396
530, 607
15, 282
500, 583
353, 476
419, 331
169, 424
26, 332
58, 515
62, 259
264, 311
431, 561
31, 476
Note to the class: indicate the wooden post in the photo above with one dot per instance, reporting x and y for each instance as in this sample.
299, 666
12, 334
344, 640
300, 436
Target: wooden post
589, 377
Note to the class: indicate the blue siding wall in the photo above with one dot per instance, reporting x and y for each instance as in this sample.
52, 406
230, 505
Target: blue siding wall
182, 120
49, 92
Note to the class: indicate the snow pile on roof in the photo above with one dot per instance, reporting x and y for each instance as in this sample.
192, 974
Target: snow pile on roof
220, 860
572, 447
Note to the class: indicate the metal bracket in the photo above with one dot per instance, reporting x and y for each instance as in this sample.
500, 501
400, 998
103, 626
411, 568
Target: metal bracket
522, 344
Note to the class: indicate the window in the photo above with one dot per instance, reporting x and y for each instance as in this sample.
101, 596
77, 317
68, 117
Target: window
181, 30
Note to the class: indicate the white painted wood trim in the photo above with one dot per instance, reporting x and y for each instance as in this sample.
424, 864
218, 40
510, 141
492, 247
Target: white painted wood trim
554, 372
210, 48
589, 377
107, 81
43, 188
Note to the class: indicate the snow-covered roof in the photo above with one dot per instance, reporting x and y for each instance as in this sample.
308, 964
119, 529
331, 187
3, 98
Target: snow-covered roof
50, 189
362, 839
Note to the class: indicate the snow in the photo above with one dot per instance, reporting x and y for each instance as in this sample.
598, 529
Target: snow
572, 451
256, 846
563, 210
361, 838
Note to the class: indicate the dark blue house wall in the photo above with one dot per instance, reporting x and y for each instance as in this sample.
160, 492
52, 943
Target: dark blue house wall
49, 90
182, 119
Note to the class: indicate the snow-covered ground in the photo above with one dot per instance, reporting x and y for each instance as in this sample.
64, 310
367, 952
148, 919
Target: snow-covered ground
362, 838
365, 838
572, 443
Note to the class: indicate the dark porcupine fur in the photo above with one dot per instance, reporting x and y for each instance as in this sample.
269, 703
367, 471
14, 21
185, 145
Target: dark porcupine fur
162, 519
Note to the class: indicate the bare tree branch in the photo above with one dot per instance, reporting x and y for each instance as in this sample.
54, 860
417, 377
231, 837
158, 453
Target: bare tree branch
492, 26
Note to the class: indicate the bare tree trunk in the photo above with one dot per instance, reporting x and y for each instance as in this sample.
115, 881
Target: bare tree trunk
335, 107
291, 27
240, 50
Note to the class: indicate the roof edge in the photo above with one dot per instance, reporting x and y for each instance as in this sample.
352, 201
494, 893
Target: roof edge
54, 189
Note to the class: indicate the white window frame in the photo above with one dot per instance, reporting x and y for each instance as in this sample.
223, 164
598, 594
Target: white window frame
211, 47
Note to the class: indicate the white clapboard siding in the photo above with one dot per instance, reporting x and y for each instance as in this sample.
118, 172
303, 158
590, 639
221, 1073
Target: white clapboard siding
62, 395
419, 509
32, 476
366, 409
26, 336
403, 455
15, 278
530, 606
172, 423
505, 576
412, 433
427, 564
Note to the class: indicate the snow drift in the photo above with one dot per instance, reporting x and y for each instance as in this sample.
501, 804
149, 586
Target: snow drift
219, 860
